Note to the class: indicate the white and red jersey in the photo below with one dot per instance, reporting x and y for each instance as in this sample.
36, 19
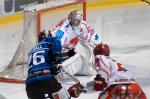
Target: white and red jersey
112, 71
70, 36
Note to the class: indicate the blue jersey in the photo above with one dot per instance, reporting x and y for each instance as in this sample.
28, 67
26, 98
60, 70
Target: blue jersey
41, 59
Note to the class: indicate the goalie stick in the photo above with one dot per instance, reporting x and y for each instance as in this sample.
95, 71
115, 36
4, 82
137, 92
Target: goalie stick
74, 78
103, 91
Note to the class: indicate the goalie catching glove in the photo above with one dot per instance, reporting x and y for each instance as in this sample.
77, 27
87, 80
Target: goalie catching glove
99, 83
75, 90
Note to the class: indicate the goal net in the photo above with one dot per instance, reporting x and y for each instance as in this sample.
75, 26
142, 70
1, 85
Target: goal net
36, 19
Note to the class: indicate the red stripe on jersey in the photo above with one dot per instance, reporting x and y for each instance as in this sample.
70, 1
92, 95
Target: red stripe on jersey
56, 96
104, 71
74, 41
61, 22
88, 30
58, 26
105, 66
120, 67
104, 63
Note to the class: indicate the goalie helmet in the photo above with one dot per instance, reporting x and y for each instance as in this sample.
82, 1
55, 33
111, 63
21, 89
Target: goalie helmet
102, 49
75, 17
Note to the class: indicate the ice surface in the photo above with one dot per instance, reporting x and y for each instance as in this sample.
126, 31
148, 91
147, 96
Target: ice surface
125, 29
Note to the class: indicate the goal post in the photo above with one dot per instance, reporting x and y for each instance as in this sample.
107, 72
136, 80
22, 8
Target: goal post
37, 18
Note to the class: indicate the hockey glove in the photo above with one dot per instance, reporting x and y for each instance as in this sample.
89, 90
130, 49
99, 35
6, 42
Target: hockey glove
56, 70
57, 58
99, 83
75, 90
71, 53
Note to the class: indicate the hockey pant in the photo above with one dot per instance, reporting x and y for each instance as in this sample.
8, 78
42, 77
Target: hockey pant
46, 89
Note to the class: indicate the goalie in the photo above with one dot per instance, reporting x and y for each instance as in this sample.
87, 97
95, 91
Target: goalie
71, 31
112, 78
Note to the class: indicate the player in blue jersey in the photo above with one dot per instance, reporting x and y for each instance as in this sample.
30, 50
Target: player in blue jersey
44, 71
43, 68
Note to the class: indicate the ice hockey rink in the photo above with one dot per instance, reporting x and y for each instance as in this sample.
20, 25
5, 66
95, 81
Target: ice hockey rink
125, 28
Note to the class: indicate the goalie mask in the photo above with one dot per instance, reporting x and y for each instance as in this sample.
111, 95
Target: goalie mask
101, 49
75, 18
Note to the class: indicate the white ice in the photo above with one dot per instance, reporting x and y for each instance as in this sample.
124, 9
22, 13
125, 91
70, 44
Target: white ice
125, 29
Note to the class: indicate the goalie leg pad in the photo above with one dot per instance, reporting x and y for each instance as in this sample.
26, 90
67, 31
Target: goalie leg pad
72, 65
86, 52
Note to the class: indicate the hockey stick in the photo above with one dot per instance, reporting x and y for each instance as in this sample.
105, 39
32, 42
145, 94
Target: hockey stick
103, 91
145, 1
74, 78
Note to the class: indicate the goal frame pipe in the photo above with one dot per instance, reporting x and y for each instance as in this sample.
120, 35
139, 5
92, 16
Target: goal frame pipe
84, 10
11, 80
83, 2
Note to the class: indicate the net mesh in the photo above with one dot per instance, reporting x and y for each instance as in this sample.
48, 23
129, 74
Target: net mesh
17, 68
50, 14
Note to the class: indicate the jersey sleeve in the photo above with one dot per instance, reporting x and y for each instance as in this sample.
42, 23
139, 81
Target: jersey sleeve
60, 32
102, 63
58, 26
90, 35
95, 39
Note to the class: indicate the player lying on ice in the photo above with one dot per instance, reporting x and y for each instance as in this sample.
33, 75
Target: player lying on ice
112, 78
